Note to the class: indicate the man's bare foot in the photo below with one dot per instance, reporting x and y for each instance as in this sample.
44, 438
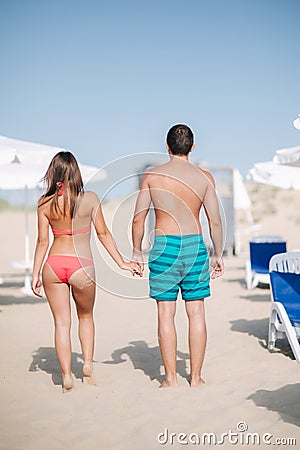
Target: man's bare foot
169, 383
197, 383
67, 384
88, 375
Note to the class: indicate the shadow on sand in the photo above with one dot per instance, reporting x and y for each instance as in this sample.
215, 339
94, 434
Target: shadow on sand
240, 281
20, 298
45, 359
285, 401
257, 298
259, 328
11, 300
12, 284
148, 359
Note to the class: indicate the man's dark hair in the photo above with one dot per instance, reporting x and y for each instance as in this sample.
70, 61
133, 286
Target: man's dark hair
180, 139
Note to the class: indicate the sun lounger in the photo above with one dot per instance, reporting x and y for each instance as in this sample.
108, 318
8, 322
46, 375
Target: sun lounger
262, 248
285, 295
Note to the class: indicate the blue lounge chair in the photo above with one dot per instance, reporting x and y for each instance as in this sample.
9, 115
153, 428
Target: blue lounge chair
262, 248
285, 295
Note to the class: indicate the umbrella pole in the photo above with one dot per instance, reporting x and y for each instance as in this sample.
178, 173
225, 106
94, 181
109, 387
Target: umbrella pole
27, 287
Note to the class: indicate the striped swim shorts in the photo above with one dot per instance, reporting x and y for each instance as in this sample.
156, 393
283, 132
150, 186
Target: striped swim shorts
179, 262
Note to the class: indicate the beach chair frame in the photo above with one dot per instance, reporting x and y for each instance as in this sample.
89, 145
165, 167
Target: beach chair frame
255, 274
280, 325
253, 278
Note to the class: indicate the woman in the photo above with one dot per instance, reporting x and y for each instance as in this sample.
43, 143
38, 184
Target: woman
69, 266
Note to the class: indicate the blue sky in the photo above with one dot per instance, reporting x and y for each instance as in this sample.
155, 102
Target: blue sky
106, 79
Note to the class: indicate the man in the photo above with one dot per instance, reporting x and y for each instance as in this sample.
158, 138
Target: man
179, 259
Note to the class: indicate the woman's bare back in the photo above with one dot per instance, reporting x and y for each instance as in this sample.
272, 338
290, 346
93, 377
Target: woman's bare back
77, 244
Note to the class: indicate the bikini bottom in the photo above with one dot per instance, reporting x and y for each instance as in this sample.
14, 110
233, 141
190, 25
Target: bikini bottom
65, 265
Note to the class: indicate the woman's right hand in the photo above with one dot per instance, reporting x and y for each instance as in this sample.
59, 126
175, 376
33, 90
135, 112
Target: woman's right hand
36, 286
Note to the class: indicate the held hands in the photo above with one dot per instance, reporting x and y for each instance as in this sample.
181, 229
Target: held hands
36, 286
137, 257
133, 267
216, 267
136, 265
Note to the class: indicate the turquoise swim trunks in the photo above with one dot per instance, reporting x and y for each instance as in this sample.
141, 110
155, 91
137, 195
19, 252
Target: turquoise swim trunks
179, 262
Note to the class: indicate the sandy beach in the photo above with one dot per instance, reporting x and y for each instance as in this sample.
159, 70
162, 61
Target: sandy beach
248, 389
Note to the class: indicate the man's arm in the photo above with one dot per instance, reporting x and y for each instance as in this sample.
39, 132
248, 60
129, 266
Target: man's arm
138, 224
211, 206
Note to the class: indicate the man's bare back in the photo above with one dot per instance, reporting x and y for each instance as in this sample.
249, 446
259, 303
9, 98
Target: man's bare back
177, 190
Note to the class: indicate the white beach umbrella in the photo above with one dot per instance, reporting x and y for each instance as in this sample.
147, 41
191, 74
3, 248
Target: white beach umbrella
241, 199
283, 171
25, 163
296, 123
21, 173
290, 156
22, 166
280, 175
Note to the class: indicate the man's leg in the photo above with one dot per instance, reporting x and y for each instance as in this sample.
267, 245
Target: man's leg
167, 340
197, 339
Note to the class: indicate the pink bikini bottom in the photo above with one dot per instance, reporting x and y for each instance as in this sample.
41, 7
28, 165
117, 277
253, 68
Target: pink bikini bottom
65, 265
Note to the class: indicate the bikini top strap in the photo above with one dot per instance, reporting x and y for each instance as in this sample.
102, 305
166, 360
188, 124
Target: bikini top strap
71, 232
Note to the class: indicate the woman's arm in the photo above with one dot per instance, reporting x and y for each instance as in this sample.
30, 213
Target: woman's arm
138, 224
41, 248
106, 239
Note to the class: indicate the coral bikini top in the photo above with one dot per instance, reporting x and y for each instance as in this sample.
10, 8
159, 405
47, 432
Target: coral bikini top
71, 232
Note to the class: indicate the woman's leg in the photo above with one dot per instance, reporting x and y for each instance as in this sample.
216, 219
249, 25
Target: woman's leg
83, 291
58, 296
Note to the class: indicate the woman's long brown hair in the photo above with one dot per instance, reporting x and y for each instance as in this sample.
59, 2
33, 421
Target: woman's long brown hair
64, 169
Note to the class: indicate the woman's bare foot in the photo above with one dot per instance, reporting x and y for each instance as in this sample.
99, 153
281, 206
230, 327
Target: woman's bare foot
67, 384
197, 382
88, 375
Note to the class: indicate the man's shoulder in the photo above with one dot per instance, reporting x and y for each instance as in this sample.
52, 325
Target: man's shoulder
206, 174
157, 169
154, 171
